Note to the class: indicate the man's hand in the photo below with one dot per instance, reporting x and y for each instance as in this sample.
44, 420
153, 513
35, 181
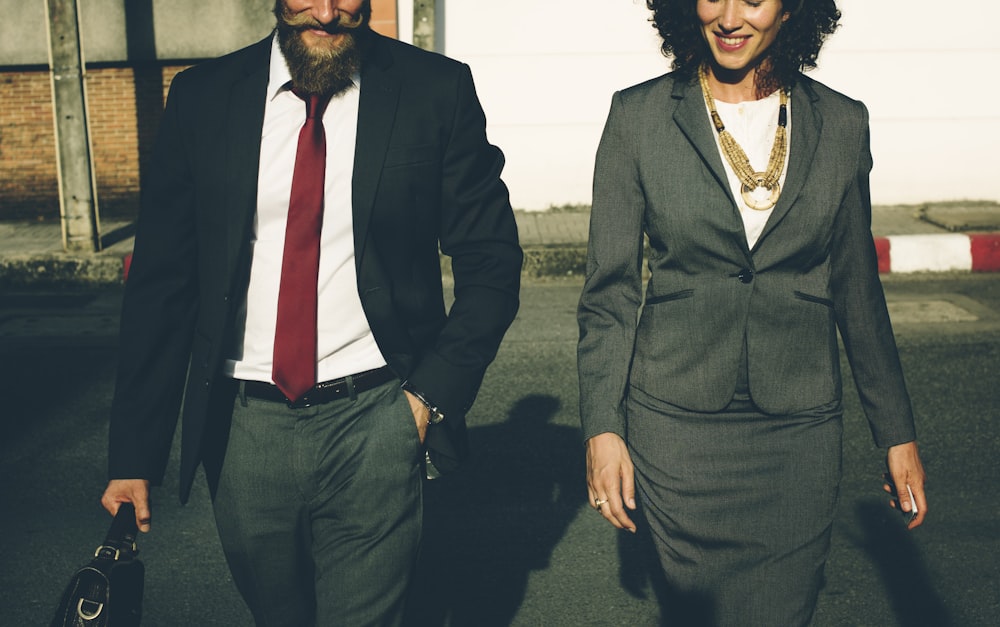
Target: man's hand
611, 479
905, 469
134, 491
421, 414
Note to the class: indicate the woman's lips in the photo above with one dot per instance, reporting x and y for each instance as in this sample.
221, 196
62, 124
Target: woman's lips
729, 43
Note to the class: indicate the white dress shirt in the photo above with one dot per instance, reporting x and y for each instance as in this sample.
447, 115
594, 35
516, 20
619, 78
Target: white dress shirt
345, 341
753, 124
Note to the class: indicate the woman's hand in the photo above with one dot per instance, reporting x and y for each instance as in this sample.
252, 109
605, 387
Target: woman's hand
905, 469
611, 479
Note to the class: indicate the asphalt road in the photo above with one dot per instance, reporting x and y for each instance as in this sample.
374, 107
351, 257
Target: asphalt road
511, 540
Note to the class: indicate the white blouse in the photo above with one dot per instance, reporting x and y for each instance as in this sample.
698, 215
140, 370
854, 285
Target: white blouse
753, 124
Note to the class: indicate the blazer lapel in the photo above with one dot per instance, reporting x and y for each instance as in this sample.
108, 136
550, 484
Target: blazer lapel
806, 126
692, 118
376, 113
243, 128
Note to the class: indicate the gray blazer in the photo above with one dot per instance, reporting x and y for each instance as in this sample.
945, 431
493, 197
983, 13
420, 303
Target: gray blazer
812, 271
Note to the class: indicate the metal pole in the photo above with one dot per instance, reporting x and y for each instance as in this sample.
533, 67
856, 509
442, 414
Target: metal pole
77, 191
423, 24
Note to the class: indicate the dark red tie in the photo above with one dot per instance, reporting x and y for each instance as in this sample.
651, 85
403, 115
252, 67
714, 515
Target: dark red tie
294, 367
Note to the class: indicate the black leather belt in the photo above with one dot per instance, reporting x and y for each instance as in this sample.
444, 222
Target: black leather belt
322, 392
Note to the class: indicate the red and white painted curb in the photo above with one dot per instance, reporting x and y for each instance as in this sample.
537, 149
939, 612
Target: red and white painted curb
949, 252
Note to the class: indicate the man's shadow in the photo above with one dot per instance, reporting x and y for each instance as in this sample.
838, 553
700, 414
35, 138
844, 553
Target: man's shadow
891, 547
497, 519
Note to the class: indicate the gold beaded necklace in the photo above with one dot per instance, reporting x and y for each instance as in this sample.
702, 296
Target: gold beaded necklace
738, 159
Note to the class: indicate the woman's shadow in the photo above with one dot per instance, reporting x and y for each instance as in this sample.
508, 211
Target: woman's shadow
489, 525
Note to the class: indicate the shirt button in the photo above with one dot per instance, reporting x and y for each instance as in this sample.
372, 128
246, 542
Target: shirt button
745, 275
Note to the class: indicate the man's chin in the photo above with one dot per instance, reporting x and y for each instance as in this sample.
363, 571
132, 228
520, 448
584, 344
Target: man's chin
320, 63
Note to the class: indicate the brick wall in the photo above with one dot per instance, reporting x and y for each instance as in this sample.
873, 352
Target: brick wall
120, 138
384, 17
27, 147
124, 106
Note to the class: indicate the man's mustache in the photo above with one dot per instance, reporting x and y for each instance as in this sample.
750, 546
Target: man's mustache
344, 22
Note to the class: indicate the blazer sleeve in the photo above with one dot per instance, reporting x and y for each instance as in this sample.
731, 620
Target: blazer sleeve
862, 315
612, 291
158, 311
479, 234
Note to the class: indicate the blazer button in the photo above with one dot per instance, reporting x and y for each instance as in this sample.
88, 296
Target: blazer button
745, 275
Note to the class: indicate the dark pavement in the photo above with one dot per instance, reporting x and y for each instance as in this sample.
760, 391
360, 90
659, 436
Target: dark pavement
511, 540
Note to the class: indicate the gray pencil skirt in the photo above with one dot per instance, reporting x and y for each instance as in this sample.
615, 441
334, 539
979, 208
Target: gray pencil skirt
739, 506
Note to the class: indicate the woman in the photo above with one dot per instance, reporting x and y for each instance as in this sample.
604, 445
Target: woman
720, 409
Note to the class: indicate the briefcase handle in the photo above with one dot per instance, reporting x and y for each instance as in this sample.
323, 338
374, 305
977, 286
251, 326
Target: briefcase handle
121, 536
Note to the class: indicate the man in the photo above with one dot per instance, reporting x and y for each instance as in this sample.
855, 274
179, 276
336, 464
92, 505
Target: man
287, 265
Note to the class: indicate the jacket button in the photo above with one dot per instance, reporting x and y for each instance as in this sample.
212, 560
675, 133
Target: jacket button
745, 275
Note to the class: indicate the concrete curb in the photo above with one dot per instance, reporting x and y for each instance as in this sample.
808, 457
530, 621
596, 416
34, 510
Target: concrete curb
57, 270
958, 236
897, 254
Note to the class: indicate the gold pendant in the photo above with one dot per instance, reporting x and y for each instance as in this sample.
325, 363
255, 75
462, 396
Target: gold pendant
752, 196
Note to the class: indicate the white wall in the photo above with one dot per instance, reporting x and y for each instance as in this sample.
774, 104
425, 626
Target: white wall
927, 71
545, 73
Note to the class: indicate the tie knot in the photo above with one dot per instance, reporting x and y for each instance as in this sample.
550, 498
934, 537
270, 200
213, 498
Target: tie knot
315, 103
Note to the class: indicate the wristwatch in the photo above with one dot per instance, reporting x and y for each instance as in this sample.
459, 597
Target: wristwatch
436, 415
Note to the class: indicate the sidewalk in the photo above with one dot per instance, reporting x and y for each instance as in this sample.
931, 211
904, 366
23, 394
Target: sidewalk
938, 237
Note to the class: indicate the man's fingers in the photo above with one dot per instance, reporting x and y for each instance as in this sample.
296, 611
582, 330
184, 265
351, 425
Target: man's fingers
134, 491
421, 414
143, 517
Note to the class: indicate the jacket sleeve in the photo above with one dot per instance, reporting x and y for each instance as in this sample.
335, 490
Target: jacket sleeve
612, 292
479, 234
158, 311
862, 315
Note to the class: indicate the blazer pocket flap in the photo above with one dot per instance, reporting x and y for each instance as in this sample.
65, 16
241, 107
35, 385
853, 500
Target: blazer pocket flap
411, 155
813, 299
665, 298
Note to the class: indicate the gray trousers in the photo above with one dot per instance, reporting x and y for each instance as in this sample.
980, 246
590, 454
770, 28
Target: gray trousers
319, 509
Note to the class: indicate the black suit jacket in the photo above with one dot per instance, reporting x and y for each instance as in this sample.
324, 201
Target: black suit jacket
425, 177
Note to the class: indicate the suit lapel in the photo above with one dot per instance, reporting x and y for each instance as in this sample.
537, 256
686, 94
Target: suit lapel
243, 129
806, 126
376, 113
692, 118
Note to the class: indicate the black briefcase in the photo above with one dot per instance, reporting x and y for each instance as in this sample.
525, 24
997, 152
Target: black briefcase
107, 592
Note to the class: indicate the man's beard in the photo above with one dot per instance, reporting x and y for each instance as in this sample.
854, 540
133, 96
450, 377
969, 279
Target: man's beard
321, 69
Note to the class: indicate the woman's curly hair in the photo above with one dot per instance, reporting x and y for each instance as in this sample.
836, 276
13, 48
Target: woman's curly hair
795, 49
